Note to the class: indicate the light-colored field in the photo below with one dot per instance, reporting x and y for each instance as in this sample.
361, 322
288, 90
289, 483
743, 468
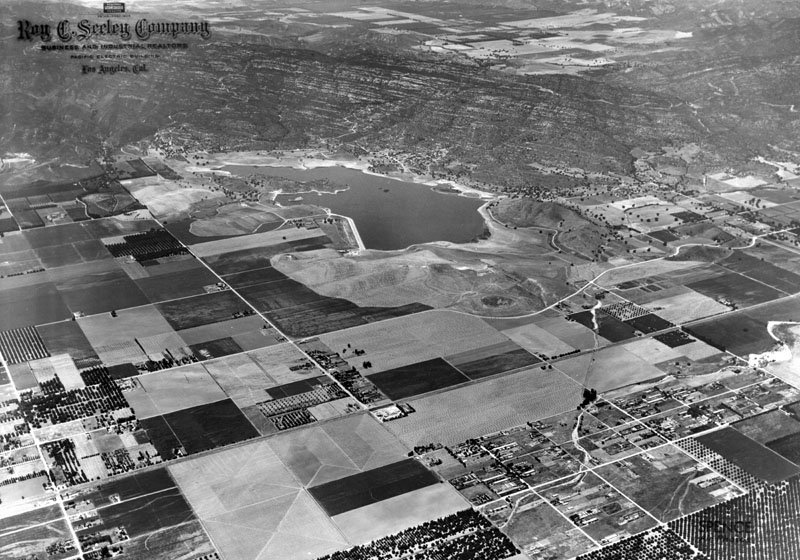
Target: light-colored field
255, 240
454, 416
222, 329
165, 198
169, 390
252, 506
104, 330
686, 307
159, 342
642, 270
572, 333
533, 338
241, 378
653, 351
402, 512
609, 368
413, 338
234, 219
337, 449
276, 361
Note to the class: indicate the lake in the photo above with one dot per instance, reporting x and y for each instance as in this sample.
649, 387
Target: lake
388, 213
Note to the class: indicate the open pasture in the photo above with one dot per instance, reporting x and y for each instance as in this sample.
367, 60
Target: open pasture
609, 368
668, 483
378, 520
202, 310
337, 449
416, 379
481, 408
253, 507
406, 340
173, 389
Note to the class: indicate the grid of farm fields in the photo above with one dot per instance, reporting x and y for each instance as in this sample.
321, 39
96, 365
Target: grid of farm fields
174, 397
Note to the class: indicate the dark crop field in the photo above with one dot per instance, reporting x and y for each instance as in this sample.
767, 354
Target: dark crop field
108, 291
161, 436
29, 518
610, 328
209, 426
749, 455
737, 288
128, 487
35, 304
66, 337
762, 271
54, 256
788, 447
334, 314
498, 364
416, 379
279, 294
259, 257
22, 345
176, 284
216, 348
146, 514
57, 235
649, 323
256, 276
736, 332
372, 486
202, 310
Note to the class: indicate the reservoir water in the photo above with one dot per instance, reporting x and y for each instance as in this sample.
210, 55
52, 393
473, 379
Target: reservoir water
389, 214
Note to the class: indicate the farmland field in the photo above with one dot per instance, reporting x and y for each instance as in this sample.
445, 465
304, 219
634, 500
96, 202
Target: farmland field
253, 507
454, 416
736, 332
609, 369
392, 515
406, 340
186, 541
209, 426
279, 294
749, 455
176, 284
416, 379
30, 305
337, 449
368, 487
67, 337
275, 240
536, 339
202, 310
491, 360
173, 389
737, 288
254, 276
